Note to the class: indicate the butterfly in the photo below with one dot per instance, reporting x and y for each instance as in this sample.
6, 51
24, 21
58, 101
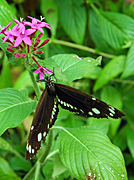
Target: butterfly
68, 98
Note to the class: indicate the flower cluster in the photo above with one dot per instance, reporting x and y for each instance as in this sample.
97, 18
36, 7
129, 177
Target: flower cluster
22, 42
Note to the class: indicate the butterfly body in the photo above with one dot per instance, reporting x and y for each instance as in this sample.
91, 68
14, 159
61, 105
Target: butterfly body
68, 98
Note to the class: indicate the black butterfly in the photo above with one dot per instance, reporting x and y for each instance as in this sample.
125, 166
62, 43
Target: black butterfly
68, 98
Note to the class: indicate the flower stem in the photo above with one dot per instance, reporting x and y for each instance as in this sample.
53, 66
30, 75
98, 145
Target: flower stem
35, 85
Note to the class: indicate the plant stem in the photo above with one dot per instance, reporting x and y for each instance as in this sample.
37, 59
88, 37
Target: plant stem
35, 85
85, 48
48, 147
37, 166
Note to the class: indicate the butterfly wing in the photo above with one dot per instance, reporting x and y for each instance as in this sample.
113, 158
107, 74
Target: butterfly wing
77, 101
44, 117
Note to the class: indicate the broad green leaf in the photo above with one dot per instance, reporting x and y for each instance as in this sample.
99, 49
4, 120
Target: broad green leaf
23, 80
50, 12
88, 150
129, 65
128, 102
6, 17
110, 71
130, 140
6, 14
14, 108
5, 76
111, 96
19, 164
128, 158
71, 66
5, 145
115, 31
59, 168
73, 18
97, 35
47, 170
6, 172
120, 138
102, 124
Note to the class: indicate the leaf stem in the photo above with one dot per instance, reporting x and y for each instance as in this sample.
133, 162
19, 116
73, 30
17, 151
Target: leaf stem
81, 47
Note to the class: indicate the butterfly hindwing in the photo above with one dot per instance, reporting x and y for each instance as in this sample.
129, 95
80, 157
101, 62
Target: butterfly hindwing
84, 104
45, 116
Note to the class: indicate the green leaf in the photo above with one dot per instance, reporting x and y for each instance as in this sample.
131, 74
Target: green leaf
50, 12
59, 168
6, 172
97, 34
70, 66
47, 170
20, 164
128, 102
14, 108
130, 140
6, 14
73, 18
120, 138
6, 17
115, 31
110, 71
23, 80
5, 76
111, 96
91, 1
88, 150
5, 145
102, 124
129, 68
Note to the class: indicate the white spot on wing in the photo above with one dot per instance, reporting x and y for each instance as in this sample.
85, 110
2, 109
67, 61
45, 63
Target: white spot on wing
39, 137
29, 148
111, 114
44, 134
90, 113
32, 127
93, 98
96, 111
111, 110
61, 102
33, 151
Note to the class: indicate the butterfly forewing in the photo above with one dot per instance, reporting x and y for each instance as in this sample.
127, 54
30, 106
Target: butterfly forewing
82, 103
45, 116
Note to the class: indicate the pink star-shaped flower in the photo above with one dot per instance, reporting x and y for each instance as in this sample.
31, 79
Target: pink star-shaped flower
5, 28
23, 35
37, 24
42, 71
8, 36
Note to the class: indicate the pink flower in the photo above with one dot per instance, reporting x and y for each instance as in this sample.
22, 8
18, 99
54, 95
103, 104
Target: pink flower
8, 36
42, 71
37, 24
23, 36
5, 28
